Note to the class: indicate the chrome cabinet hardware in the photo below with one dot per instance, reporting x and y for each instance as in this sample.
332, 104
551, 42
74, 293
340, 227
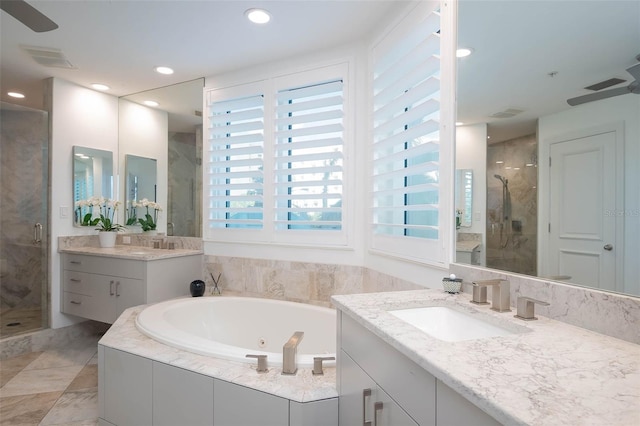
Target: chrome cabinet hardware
111, 288
117, 288
37, 233
365, 394
377, 408
526, 306
73, 302
608, 247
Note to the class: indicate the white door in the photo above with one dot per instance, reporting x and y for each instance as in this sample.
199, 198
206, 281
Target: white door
582, 210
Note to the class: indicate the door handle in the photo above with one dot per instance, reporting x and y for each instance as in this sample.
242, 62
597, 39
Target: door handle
117, 288
111, 288
37, 233
608, 247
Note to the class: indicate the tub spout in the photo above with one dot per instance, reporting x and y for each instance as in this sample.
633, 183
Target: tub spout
289, 354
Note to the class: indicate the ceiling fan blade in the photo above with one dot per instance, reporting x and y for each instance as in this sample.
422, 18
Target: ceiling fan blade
635, 72
28, 15
599, 95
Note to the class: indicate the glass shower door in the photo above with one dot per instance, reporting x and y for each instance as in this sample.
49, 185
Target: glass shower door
23, 219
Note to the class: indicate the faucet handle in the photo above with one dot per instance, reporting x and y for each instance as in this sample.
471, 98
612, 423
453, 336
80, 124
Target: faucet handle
317, 364
262, 362
526, 306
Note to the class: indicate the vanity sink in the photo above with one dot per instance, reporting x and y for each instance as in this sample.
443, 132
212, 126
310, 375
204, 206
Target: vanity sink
450, 325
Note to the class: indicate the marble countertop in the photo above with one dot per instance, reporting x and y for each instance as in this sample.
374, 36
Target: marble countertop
552, 374
303, 387
131, 252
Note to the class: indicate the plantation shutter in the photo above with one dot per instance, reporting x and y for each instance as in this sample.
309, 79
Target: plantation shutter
235, 162
309, 157
406, 136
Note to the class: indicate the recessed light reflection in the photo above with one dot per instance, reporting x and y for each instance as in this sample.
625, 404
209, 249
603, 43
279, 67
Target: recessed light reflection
463, 52
151, 103
99, 86
16, 95
164, 70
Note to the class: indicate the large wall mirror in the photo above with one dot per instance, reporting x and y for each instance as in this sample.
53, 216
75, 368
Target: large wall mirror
92, 179
182, 104
141, 183
553, 138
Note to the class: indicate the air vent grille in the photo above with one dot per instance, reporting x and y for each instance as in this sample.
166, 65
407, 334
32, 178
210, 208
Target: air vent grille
507, 113
48, 57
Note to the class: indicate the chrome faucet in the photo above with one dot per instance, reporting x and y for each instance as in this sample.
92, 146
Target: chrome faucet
500, 294
290, 352
526, 306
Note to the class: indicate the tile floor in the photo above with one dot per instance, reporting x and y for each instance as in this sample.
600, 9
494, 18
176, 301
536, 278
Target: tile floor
54, 387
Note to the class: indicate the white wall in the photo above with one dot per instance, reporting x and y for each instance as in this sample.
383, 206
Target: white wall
619, 109
471, 153
82, 117
144, 132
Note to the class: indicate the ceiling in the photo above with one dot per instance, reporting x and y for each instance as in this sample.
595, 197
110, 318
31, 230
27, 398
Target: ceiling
517, 45
120, 42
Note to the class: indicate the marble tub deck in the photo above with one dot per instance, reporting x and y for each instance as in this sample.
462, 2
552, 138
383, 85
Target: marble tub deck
303, 387
51, 387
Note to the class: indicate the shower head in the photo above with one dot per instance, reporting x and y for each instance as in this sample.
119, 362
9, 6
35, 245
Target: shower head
501, 179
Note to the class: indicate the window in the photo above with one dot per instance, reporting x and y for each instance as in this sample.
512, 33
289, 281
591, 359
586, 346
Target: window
406, 137
276, 159
235, 167
309, 160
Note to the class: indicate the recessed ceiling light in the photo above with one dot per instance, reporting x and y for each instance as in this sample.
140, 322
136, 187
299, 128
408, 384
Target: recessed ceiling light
459, 123
15, 95
151, 103
164, 70
499, 162
463, 52
99, 86
258, 16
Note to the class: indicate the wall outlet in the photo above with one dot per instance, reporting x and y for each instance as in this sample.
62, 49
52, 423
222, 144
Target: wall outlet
126, 240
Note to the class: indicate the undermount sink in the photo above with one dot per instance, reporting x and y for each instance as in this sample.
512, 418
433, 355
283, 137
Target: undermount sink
449, 324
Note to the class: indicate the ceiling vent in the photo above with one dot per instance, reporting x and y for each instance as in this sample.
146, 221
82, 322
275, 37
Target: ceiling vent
51, 58
605, 84
507, 113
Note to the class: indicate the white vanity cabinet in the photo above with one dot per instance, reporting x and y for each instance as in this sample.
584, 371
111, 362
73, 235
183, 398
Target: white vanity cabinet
101, 287
378, 384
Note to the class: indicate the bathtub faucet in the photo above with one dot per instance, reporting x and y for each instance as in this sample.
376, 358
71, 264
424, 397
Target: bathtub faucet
289, 354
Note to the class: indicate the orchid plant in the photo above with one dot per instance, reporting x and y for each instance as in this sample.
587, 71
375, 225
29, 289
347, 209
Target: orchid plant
101, 213
150, 221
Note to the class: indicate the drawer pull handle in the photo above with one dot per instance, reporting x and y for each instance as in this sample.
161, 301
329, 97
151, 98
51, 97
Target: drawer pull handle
365, 394
117, 288
377, 407
75, 262
75, 280
111, 288
73, 302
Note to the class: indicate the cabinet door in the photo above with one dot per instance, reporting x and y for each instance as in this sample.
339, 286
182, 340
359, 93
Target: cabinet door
453, 410
127, 388
235, 405
181, 397
128, 293
359, 395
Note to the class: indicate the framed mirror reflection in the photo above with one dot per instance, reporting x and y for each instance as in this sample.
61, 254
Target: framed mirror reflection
141, 186
92, 182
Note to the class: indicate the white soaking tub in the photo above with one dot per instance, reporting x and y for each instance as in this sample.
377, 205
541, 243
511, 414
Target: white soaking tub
232, 327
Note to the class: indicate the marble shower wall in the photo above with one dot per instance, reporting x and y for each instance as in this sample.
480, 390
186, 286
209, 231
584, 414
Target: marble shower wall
23, 183
185, 183
511, 245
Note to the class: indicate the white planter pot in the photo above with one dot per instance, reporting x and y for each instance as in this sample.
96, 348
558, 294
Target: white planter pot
151, 232
107, 239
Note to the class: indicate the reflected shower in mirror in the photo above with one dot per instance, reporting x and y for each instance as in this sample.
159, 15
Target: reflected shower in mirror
182, 103
528, 59
464, 198
92, 179
140, 184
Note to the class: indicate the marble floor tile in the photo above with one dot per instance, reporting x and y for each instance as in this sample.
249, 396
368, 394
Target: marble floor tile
40, 381
73, 407
7, 374
87, 379
26, 409
20, 361
66, 357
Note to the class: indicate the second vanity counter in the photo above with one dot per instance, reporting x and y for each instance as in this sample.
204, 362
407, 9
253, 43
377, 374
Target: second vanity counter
132, 252
552, 373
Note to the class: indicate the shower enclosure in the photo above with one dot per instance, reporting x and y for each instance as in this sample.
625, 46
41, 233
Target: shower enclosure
24, 180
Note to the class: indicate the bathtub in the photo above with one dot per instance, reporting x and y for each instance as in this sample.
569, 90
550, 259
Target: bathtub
232, 327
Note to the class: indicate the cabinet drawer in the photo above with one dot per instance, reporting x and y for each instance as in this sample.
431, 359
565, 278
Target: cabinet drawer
87, 284
411, 386
104, 265
95, 308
